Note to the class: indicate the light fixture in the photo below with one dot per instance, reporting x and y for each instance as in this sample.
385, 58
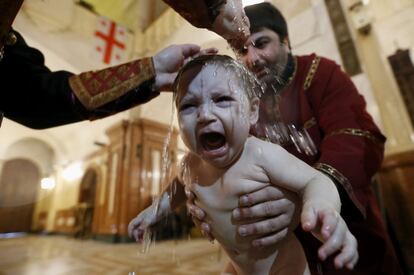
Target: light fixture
47, 183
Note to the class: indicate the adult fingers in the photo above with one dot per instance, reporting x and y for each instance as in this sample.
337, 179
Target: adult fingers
204, 227
265, 209
197, 214
268, 226
207, 51
265, 194
188, 50
189, 194
206, 231
211, 50
195, 211
270, 239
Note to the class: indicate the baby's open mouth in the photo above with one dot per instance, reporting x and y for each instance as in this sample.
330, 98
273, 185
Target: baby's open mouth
212, 141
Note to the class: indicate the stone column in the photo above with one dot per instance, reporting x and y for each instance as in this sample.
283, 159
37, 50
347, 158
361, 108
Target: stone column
396, 122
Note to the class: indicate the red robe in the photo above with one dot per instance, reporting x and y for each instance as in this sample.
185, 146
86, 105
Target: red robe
200, 13
322, 99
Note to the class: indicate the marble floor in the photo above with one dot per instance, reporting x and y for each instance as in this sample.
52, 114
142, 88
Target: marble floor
64, 255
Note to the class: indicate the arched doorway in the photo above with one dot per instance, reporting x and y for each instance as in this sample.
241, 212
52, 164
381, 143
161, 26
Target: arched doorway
19, 183
86, 203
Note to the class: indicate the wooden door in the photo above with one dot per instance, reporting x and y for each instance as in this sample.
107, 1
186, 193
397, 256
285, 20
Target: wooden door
143, 167
109, 214
84, 210
19, 183
134, 172
397, 192
109, 211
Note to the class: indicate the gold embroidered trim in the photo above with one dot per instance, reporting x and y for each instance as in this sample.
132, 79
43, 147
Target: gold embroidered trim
341, 179
310, 123
145, 71
311, 73
359, 133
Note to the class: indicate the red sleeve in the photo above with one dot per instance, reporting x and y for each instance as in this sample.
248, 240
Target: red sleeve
352, 149
96, 89
200, 13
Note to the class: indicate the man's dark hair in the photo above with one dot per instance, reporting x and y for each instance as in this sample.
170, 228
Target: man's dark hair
265, 15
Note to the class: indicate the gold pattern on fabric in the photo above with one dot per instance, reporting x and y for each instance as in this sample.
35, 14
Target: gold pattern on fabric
342, 180
359, 133
311, 72
97, 88
310, 123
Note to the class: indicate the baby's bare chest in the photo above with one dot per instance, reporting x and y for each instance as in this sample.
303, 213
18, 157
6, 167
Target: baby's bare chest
222, 191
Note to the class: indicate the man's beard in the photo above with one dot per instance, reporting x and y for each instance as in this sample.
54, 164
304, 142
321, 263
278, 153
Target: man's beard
278, 73
273, 79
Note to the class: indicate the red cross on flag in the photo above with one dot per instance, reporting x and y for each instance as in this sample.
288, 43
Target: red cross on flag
110, 45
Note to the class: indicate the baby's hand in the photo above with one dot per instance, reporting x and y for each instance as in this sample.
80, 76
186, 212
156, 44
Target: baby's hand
330, 228
142, 222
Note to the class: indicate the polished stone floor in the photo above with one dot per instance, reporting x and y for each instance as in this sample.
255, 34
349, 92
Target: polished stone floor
64, 255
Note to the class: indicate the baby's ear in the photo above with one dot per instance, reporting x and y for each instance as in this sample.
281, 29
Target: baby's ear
254, 110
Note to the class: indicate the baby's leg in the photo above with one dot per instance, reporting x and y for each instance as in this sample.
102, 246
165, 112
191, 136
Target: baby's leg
291, 259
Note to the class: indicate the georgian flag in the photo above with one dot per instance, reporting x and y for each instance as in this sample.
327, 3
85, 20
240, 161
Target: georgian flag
110, 41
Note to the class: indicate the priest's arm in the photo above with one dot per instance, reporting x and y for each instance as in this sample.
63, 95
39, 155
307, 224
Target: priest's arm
36, 97
224, 17
352, 149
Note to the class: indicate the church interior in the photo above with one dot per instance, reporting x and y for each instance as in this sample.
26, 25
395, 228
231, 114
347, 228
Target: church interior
68, 193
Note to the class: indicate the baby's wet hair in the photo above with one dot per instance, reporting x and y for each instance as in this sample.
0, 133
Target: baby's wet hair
247, 78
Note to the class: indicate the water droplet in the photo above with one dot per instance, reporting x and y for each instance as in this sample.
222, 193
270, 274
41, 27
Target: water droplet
147, 241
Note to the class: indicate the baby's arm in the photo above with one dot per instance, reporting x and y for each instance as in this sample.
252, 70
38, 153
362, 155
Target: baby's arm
321, 202
171, 198
287, 171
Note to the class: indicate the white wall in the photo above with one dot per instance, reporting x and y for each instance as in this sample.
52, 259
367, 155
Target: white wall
310, 31
394, 24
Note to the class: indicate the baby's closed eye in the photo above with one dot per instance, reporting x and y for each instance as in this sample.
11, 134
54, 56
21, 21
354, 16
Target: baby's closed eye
223, 101
186, 107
